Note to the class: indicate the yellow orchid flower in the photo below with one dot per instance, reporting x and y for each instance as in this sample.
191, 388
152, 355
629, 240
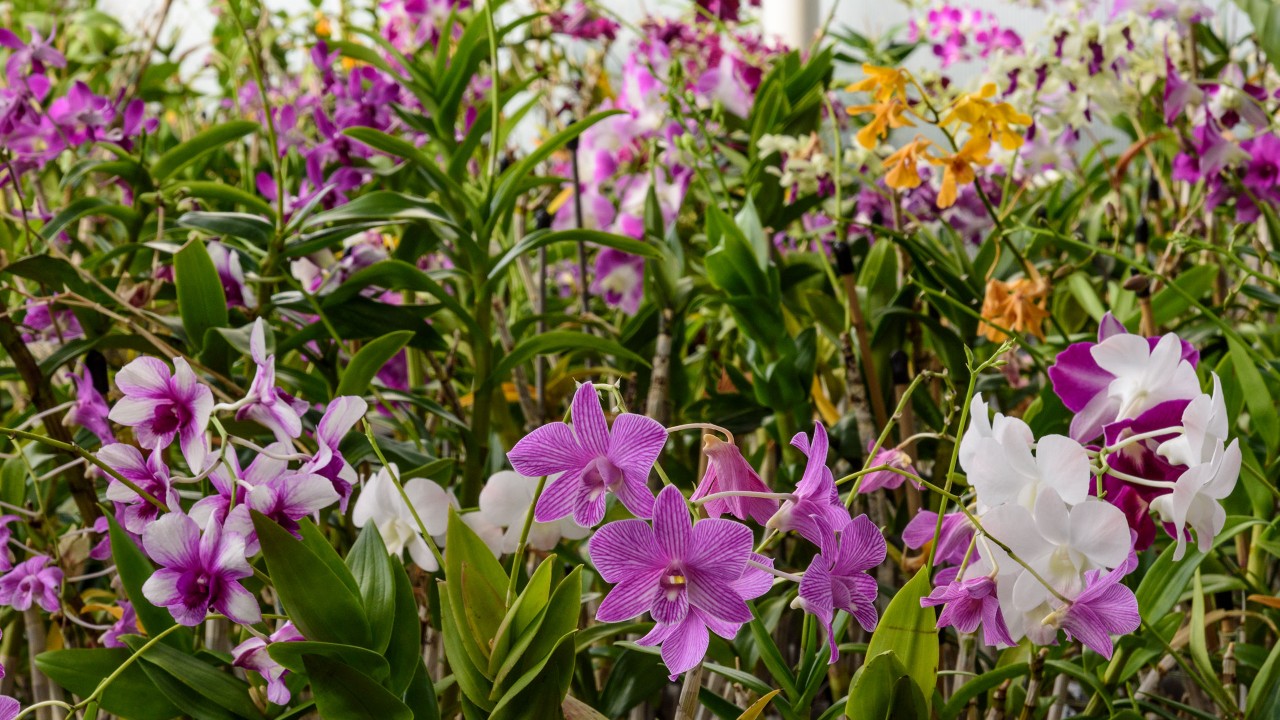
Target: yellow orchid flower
888, 114
882, 82
958, 168
987, 118
903, 165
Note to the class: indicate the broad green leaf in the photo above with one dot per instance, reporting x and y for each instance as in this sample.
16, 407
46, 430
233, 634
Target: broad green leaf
473, 683
528, 606
224, 193
371, 358
1265, 15
204, 142
1263, 701
131, 694
198, 684
883, 689
254, 228
421, 695
911, 632
344, 692
473, 577
134, 569
771, 656
559, 619
633, 678
1164, 581
334, 614
381, 205
553, 342
201, 300
527, 698
322, 547
399, 275
404, 652
290, 655
1257, 397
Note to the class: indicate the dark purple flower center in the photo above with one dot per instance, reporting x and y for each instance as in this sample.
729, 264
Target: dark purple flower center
169, 417
198, 588
673, 583
600, 476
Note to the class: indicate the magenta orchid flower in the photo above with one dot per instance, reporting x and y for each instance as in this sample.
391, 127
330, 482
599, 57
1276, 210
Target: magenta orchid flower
672, 570
226, 505
89, 410
341, 415
1121, 376
161, 406
9, 708
29, 58
6, 533
728, 471
814, 508
595, 460
267, 405
970, 603
126, 625
33, 581
1104, 608
837, 578
287, 496
684, 644
953, 541
887, 479
619, 278
150, 474
198, 571
252, 655
227, 262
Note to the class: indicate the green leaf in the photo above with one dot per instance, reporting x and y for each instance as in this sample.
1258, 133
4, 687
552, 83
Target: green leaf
256, 229
421, 696
527, 698
318, 544
381, 205
528, 606
131, 694
543, 238
221, 192
369, 360
552, 342
911, 632
1265, 15
204, 142
1257, 397
201, 301
398, 275
634, 677
979, 685
290, 655
317, 599
757, 708
134, 568
473, 683
343, 692
476, 586
1263, 700
883, 689
404, 652
198, 684
1164, 581
84, 207
558, 619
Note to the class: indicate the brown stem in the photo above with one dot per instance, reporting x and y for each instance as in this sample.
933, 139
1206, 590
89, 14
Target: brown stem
689, 693
656, 402
41, 396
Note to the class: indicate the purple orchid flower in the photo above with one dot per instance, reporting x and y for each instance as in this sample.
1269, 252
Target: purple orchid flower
339, 417
684, 644
268, 405
953, 542
837, 577
619, 279
9, 708
1104, 608
970, 603
728, 471
894, 458
227, 505
33, 581
150, 474
252, 655
102, 549
814, 507
126, 625
1121, 376
672, 569
594, 459
1178, 93
90, 409
6, 533
290, 496
49, 323
29, 58
227, 262
160, 406
198, 571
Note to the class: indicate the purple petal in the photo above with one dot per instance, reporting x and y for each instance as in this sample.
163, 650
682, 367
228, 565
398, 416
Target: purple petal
558, 497
672, 525
670, 607
715, 598
589, 424
685, 647
548, 450
719, 549
637, 441
630, 598
624, 548
173, 541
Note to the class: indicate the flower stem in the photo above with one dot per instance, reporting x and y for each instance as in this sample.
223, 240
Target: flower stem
106, 682
524, 538
793, 577
702, 426
742, 493
88, 456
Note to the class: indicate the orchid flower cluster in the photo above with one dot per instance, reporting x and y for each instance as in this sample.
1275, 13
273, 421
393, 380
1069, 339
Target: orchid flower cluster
1054, 522
693, 574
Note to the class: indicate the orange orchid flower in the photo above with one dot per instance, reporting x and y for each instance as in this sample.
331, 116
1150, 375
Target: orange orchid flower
882, 82
903, 166
958, 168
1018, 305
888, 114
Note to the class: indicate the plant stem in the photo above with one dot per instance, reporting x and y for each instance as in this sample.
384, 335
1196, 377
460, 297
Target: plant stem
524, 538
90, 457
395, 478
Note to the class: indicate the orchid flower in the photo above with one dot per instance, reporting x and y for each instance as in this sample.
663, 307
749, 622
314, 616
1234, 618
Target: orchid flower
953, 541
971, 602
150, 474
198, 571
1204, 430
728, 471
886, 479
815, 495
89, 410
35, 581
252, 655
341, 415
161, 406
504, 504
266, 404
674, 570
380, 502
126, 624
837, 578
1104, 608
594, 460
1195, 499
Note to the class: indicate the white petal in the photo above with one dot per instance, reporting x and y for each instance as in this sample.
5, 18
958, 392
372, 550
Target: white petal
1064, 466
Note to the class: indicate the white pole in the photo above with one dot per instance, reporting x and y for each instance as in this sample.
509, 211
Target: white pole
791, 21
